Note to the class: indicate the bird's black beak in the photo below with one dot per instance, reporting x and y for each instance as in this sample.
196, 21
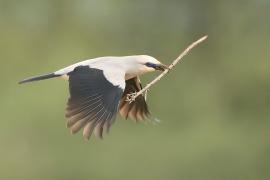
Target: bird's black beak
161, 67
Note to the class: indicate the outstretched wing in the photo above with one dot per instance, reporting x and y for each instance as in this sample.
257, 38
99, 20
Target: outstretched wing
93, 102
138, 109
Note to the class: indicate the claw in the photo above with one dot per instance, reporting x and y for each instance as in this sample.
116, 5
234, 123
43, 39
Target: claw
131, 97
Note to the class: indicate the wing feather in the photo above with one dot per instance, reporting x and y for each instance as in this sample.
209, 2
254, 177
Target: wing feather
93, 101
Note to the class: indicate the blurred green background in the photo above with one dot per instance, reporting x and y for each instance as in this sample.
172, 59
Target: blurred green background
213, 107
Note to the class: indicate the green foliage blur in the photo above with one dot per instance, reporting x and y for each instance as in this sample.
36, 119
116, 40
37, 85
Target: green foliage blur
213, 107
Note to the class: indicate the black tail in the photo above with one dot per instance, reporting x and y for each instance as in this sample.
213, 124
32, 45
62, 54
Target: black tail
38, 78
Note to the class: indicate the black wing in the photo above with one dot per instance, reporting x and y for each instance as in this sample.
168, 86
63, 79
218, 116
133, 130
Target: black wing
93, 101
138, 109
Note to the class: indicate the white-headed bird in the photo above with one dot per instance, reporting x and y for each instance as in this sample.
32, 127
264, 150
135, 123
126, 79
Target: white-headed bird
98, 90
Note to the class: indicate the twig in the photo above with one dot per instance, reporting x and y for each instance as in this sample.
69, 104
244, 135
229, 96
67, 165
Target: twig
131, 97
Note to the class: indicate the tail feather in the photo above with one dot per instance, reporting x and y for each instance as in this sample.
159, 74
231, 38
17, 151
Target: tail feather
38, 78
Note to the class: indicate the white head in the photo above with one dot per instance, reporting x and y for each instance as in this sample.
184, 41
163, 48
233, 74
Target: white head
141, 64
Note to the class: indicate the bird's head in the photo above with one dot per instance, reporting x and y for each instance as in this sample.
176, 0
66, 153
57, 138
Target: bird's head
149, 64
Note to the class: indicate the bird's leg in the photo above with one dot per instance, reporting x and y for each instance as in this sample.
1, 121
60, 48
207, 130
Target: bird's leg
131, 97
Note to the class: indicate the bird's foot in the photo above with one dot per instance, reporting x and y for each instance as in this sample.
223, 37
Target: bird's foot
131, 97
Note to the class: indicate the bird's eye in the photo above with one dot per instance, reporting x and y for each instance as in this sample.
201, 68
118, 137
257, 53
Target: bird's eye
152, 65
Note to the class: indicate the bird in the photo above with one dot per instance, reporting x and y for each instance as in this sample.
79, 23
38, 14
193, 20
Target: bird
99, 88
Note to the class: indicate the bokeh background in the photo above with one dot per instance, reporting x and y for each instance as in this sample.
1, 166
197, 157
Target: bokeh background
213, 107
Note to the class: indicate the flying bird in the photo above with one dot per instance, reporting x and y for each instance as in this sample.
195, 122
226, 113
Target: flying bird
98, 90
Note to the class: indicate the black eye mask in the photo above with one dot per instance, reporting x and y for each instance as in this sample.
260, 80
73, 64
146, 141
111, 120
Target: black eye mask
152, 65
